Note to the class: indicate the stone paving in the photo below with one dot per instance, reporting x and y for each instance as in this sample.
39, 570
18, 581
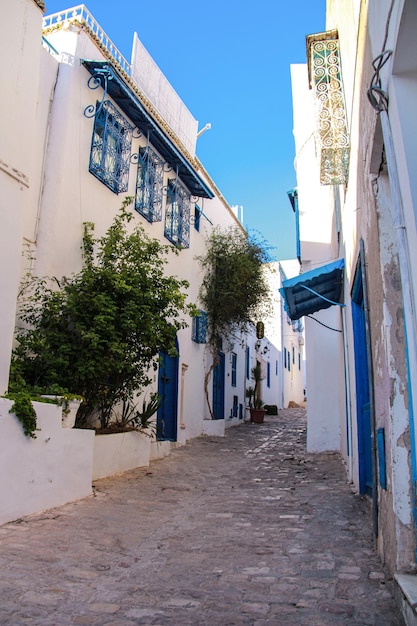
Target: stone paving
242, 530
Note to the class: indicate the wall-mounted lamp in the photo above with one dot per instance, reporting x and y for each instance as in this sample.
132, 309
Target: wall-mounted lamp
203, 130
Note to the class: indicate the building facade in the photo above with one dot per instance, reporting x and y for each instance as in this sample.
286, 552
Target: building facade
355, 157
97, 129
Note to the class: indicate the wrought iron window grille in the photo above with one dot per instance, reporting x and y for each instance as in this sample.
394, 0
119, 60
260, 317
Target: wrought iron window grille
177, 214
199, 328
331, 111
149, 184
111, 147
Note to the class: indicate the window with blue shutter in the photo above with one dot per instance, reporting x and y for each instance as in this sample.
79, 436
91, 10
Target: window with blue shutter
149, 185
110, 148
199, 328
197, 214
177, 214
234, 369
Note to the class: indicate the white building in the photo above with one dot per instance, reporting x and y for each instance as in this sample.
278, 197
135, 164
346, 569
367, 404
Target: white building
356, 139
84, 129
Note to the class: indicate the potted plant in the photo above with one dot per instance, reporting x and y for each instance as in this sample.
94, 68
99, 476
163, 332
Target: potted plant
257, 412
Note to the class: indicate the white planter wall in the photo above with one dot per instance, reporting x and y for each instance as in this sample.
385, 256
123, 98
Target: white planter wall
120, 452
46, 472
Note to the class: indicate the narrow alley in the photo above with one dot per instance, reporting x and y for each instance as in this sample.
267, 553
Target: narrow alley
242, 530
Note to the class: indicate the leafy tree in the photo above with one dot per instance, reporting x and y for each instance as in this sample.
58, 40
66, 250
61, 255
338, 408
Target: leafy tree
234, 290
100, 333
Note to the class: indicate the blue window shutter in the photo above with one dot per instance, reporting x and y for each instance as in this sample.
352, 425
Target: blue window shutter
234, 369
177, 214
247, 363
382, 469
149, 185
110, 148
197, 214
268, 374
199, 328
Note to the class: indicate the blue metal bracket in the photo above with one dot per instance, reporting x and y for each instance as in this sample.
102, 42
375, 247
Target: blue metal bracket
100, 78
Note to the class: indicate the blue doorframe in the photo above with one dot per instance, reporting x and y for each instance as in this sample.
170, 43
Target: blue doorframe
366, 477
167, 415
218, 387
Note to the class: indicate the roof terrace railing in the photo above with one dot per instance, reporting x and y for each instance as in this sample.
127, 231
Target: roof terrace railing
81, 15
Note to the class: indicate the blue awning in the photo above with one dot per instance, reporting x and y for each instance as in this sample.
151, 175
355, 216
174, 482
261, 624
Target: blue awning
130, 104
318, 289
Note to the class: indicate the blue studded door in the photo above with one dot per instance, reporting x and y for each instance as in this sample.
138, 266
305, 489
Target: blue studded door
218, 388
166, 419
362, 389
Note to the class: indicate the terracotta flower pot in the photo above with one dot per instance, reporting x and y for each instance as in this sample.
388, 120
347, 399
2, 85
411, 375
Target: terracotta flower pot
257, 415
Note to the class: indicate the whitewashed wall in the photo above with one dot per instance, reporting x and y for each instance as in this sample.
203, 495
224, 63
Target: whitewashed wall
323, 347
20, 52
46, 472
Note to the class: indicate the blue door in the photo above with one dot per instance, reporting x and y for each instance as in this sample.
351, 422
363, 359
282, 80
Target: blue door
166, 419
362, 388
218, 388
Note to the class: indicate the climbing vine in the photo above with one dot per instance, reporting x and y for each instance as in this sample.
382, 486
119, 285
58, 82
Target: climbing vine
234, 289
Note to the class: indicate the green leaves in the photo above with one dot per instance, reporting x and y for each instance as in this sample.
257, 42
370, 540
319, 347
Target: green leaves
234, 285
99, 334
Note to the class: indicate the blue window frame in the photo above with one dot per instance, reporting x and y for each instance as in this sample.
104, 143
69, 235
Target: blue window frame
235, 408
299, 361
293, 355
149, 185
234, 369
110, 148
276, 368
199, 328
285, 358
268, 374
197, 215
177, 214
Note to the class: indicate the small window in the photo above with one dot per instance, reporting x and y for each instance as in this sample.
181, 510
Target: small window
276, 368
285, 358
293, 355
149, 185
299, 361
197, 214
234, 369
177, 214
268, 374
110, 148
235, 409
199, 328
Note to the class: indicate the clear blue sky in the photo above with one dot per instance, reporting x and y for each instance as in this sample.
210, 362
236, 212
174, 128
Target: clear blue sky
229, 61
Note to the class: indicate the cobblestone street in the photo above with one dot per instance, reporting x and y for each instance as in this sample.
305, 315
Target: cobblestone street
242, 530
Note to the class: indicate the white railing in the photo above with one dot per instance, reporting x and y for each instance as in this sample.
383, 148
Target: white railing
81, 15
